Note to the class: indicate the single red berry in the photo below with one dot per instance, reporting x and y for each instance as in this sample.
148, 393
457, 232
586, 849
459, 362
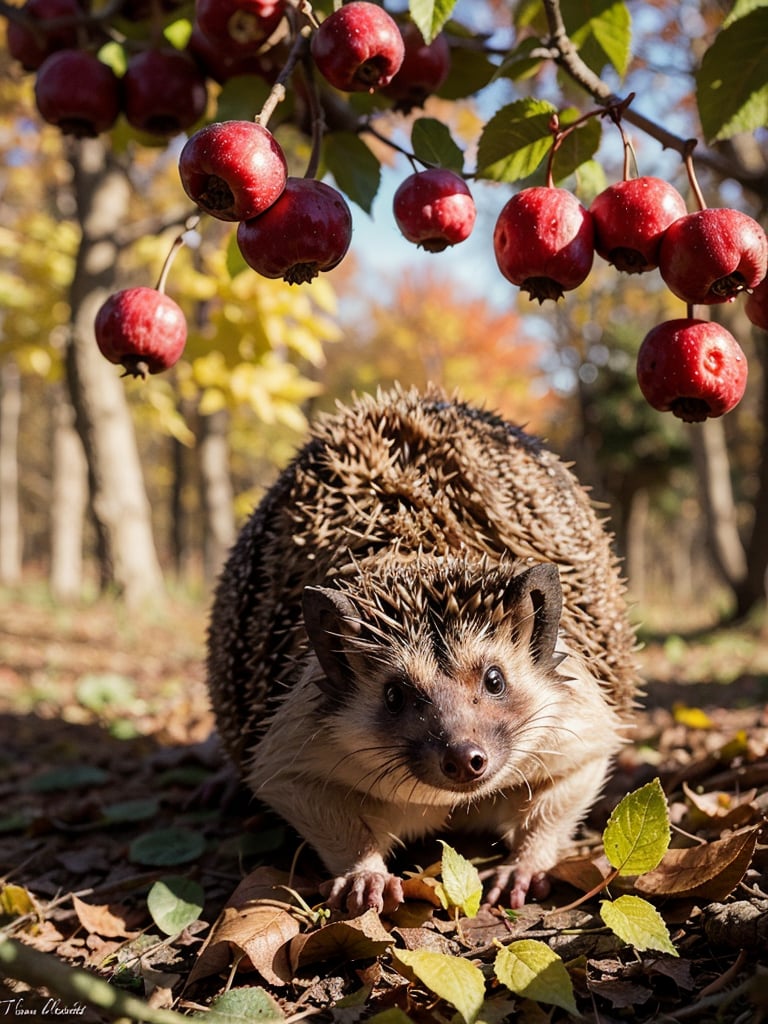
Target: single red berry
31, 44
233, 170
424, 69
306, 231
141, 329
712, 255
358, 48
164, 92
630, 219
239, 23
756, 306
434, 209
77, 93
544, 241
692, 368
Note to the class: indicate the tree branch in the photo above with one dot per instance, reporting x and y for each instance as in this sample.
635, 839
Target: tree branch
561, 49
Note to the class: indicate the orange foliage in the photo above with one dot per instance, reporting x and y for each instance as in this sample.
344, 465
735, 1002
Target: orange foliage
430, 331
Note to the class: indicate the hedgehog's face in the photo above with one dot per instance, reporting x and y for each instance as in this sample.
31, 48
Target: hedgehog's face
457, 702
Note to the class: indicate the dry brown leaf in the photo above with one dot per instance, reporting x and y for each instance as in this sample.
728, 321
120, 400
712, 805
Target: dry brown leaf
359, 938
719, 809
256, 924
106, 920
711, 871
582, 872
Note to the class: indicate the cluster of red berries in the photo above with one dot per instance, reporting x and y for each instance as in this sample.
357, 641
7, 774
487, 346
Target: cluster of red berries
545, 242
294, 228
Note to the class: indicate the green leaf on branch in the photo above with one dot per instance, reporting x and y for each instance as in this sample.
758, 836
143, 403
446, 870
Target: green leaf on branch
470, 71
732, 83
531, 969
451, 978
637, 834
602, 31
518, 63
637, 923
355, 169
461, 883
432, 143
515, 140
174, 903
431, 15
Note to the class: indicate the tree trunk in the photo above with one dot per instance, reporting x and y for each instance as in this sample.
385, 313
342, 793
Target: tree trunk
711, 456
217, 497
119, 501
10, 526
754, 586
69, 502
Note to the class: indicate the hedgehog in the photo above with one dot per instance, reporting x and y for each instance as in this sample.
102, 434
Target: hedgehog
423, 627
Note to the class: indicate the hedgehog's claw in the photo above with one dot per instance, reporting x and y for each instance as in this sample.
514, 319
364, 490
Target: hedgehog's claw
365, 890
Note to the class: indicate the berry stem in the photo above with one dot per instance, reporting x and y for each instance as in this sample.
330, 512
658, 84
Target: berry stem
298, 47
691, 172
189, 225
317, 115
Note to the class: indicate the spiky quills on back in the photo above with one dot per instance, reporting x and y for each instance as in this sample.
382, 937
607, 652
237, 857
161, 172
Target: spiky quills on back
389, 476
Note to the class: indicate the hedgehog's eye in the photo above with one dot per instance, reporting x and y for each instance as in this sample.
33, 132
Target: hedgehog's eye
494, 682
394, 697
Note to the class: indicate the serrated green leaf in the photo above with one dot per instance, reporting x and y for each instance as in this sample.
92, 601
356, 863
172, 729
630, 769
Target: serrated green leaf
732, 83
461, 881
531, 969
166, 847
451, 978
602, 24
430, 15
355, 169
637, 834
174, 903
515, 140
242, 1006
241, 98
432, 143
470, 71
637, 923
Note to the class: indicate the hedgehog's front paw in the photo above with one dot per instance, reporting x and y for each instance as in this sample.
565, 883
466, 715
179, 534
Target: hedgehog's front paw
365, 890
519, 884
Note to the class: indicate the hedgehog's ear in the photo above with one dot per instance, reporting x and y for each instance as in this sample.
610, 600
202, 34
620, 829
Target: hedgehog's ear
330, 619
540, 594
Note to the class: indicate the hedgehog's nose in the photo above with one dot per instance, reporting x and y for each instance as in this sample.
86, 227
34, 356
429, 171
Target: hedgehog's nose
464, 762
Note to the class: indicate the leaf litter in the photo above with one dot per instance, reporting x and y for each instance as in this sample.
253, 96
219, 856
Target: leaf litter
128, 849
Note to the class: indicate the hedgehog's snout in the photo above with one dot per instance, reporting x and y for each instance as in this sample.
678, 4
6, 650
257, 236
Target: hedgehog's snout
464, 763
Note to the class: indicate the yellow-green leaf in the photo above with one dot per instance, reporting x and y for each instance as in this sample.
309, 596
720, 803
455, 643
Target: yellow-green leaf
637, 834
637, 923
532, 970
451, 978
461, 881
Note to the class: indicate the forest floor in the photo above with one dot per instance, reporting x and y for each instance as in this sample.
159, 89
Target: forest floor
110, 781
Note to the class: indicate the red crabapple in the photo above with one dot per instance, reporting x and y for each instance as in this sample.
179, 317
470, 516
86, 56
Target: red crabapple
434, 209
358, 48
712, 255
630, 219
692, 368
77, 93
164, 92
544, 241
756, 306
307, 230
233, 170
31, 45
424, 69
141, 329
